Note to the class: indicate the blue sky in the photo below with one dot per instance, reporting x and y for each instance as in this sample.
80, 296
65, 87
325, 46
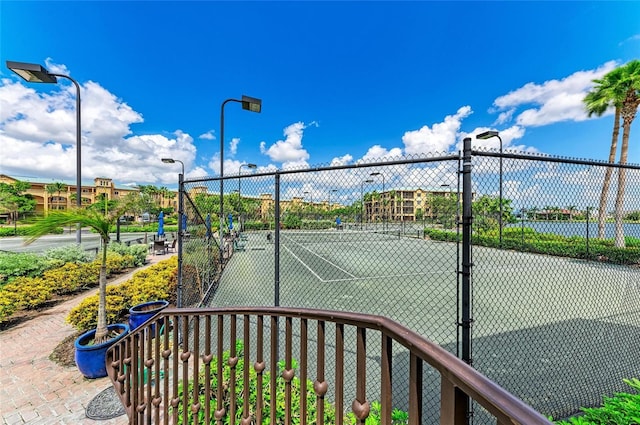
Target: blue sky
340, 82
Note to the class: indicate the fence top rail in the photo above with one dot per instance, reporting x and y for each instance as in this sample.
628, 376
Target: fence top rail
490, 395
558, 159
405, 161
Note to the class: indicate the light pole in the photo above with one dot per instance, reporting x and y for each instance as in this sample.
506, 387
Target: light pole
329, 201
448, 186
180, 229
488, 135
34, 73
384, 226
311, 196
362, 200
249, 104
252, 167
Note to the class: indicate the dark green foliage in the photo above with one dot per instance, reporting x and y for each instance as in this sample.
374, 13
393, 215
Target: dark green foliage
13, 265
621, 409
528, 240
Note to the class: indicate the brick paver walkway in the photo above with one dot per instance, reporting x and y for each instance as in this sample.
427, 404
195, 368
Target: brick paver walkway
35, 390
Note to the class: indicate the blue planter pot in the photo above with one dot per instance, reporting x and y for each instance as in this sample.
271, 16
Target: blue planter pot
91, 359
138, 314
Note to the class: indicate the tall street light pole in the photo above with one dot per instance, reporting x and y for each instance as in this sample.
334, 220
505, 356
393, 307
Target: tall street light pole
488, 135
384, 226
329, 201
34, 73
180, 227
252, 167
311, 196
248, 104
362, 200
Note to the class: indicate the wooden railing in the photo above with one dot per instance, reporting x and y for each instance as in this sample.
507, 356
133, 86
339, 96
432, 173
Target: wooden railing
167, 371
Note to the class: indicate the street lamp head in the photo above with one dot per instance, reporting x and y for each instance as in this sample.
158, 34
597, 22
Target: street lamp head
252, 166
31, 72
251, 104
375, 174
368, 181
488, 134
168, 160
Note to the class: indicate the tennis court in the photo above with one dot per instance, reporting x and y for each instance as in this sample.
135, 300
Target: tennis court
531, 312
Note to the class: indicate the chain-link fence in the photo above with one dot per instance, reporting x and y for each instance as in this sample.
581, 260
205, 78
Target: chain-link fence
533, 299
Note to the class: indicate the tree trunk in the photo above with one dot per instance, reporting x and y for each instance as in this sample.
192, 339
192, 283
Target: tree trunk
622, 175
602, 209
101, 328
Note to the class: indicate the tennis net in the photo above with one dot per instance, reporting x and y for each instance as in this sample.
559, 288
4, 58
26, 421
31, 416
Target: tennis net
331, 236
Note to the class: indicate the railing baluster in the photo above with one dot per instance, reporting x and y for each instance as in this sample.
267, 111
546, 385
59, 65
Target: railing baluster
386, 374
175, 399
166, 353
134, 388
360, 405
246, 368
453, 404
206, 361
146, 354
415, 389
287, 373
303, 370
155, 401
184, 357
259, 367
195, 403
274, 368
320, 385
233, 361
220, 411
339, 388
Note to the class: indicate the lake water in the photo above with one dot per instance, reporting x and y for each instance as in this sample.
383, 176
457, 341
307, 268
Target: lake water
579, 228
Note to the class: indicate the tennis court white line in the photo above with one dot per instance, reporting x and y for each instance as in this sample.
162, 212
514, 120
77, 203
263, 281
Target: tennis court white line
303, 263
382, 277
323, 259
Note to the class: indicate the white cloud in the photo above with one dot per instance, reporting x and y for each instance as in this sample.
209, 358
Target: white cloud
550, 102
288, 151
38, 136
208, 135
437, 139
233, 146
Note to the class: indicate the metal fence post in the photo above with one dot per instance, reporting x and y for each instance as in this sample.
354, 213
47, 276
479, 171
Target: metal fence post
180, 232
467, 220
276, 295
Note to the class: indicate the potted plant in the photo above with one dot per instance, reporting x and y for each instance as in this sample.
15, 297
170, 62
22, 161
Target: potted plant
90, 347
138, 314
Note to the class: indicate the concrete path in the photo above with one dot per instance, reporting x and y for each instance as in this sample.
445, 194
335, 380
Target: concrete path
35, 390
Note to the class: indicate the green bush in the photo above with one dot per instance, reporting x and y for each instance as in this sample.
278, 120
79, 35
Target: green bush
621, 409
13, 265
22, 230
157, 282
68, 254
25, 292
243, 388
528, 240
138, 252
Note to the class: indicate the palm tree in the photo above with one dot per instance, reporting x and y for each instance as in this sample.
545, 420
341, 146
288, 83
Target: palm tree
101, 223
619, 88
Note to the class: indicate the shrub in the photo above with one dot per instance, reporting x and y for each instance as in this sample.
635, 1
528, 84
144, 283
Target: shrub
154, 283
138, 252
13, 265
68, 254
28, 292
622, 408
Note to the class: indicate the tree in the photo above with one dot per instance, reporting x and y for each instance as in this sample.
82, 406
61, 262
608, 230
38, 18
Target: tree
14, 200
619, 88
100, 222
